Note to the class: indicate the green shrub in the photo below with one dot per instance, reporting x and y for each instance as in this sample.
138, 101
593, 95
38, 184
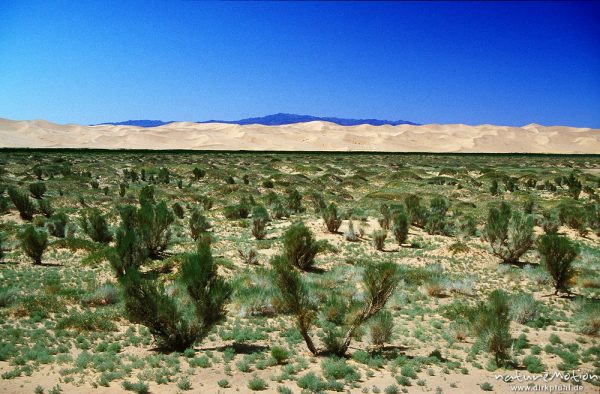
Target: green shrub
198, 224
257, 384
494, 190
45, 208
379, 237
416, 212
164, 175
279, 354
510, 234
198, 173
154, 224
130, 249
586, 318
573, 215
139, 387
23, 203
178, 319
260, 218
86, 321
94, 225
300, 246
37, 189
178, 210
33, 243
533, 364
294, 201
122, 189
550, 222
335, 368
340, 316
574, 185
400, 228
331, 218
491, 323
524, 308
557, 253
381, 328
350, 234
58, 224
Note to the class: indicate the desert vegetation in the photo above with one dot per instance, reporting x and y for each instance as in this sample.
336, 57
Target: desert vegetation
289, 273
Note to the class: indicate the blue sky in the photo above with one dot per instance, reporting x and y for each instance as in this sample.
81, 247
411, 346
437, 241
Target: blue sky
508, 63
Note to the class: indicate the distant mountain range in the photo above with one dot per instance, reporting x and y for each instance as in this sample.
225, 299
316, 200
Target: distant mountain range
272, 120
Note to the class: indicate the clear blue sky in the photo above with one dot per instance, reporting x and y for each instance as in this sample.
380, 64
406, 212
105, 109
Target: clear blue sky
508, 63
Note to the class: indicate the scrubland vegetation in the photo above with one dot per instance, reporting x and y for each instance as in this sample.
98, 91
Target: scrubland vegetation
223, 272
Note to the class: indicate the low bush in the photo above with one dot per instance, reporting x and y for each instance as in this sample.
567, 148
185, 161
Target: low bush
491, 323
94, 225
23, 203
557, 253
379, 237
510, 234
198, 224
33, 243
37, 189
58, 224
300, 246
331, 218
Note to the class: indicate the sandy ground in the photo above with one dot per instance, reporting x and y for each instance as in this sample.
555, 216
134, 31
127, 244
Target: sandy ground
309, 136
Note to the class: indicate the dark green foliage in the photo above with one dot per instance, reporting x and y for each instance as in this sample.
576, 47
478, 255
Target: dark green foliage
510, 184
416, 212
573, 215
491, 323
198, 224
379, 237
45, 207
180, 184
268, 184
436, 217
198, 173
163, 175
57, 224
557, 253
122, 189
300, 246
94, 184
260, 218
279, 354
179, 320
94, 225
340, 316
381, 328
33, 243
529, 206
207, 202
178, 210
3, 203
592, 210
550, 222
510, 234
574, 185
147, 195
23, 203
294, 201
130, 248
37, 189
154, 221
1, 246
467, 225
331, 218
494, 191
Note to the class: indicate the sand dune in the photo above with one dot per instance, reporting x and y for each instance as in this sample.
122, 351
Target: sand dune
309, 136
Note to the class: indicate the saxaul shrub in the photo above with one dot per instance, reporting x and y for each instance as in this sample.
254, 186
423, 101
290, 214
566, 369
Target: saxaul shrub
23, 203
155, 221
57, 224
467, 225
510, 234
318, 202
494, 190
33, 243
122, 189
381, 328
350, 234
178, 210
331, 218
592, 210
379, 237
436, 218
206, 201
198, 173
279, 210
45, 207
416, 212
550, 222
294, 201
199, 224
341, 317
574, 185
164, 175
400, 228
94, 225
260, 218
130, 247
386, 217
37, 189
300, 246
557, 254
573, 215
147, 195
180, 317
490, 322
